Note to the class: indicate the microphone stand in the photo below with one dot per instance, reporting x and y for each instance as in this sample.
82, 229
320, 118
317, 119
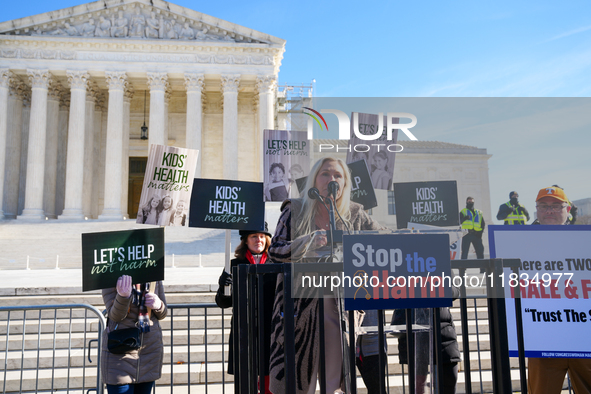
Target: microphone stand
339, 300
332, 226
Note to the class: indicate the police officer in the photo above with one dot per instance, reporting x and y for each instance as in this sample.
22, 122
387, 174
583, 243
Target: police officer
472, 220
512, 212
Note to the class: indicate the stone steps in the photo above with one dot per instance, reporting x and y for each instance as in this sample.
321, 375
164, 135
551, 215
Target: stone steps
215, 353
79, 378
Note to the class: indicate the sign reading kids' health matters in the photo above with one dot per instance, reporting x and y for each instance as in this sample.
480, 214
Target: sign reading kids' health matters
434, 203
221, 203
167, 186
108, 255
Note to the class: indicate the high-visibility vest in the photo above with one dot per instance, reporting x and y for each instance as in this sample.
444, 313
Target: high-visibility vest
472, 221
515, 218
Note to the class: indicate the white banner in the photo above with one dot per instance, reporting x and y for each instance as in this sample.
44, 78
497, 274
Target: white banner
556, 273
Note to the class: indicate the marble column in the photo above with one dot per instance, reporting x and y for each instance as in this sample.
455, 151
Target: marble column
40, 82
89, 160
114, 151
167, 95
230, 85
194, 85
25, 121
127, 97
5, 75
266, 88
78, 81
62, 149
98, 155
53, 108
13, 147
157, 82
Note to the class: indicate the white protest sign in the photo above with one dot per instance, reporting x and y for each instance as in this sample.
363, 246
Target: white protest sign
556, 304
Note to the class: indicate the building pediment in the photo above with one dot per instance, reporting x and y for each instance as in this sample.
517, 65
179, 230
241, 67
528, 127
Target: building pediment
135, 19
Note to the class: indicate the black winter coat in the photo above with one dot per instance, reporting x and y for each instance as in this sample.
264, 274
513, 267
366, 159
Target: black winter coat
449, 341
224, 301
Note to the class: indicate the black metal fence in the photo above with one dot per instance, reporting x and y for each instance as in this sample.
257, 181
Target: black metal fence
248, 306
31, 334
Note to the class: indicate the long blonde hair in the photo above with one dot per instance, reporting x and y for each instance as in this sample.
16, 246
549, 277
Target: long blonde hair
304, 224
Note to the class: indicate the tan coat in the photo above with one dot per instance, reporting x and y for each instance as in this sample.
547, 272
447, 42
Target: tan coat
143, 365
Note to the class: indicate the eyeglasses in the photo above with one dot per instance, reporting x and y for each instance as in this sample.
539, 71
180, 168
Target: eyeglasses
553, 208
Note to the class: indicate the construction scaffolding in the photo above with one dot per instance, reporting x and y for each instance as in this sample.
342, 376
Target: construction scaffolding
290, 101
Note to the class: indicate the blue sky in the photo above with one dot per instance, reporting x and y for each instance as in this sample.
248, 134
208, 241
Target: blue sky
433, 49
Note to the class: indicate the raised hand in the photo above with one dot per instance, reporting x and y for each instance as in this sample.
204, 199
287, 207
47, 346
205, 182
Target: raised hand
124, 286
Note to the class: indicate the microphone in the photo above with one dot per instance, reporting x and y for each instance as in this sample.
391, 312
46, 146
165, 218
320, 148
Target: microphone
333, 188
314, 194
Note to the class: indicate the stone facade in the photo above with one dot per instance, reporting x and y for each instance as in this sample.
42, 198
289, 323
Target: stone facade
76, 81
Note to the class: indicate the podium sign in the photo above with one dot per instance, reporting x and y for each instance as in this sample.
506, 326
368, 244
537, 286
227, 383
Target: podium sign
391, 271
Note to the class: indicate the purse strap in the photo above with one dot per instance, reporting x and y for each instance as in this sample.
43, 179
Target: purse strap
151, 289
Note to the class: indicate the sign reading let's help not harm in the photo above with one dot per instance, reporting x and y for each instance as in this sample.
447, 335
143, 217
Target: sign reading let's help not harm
106, 256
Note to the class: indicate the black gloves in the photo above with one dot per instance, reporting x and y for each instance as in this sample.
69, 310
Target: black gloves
225, 279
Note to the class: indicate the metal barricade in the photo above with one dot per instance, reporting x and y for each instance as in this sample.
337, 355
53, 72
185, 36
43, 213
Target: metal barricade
246, 343
190, 323
32, 339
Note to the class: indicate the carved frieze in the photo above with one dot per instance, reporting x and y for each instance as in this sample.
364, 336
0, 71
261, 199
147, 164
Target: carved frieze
143, 22
139, 57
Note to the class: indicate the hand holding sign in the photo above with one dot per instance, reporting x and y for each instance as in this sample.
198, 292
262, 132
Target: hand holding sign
153, 301
124, 286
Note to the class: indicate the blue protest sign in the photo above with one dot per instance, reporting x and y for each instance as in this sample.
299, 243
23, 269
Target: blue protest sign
396, 271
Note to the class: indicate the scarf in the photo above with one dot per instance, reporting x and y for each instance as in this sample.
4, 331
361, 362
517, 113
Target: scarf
251, 259
139, 298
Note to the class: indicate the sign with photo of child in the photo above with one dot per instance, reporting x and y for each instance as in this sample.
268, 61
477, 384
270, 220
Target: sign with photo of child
379, 153
167, 186
286, 159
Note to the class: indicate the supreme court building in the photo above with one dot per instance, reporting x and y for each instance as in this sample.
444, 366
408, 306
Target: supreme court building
76, 86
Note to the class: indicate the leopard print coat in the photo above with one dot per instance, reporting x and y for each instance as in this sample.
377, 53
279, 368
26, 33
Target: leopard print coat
288, 247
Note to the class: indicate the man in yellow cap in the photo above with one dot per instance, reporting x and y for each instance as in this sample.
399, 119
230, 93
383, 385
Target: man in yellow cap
546, 375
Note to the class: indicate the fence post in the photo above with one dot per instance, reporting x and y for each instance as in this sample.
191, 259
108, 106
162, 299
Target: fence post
288, 329
499, 339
